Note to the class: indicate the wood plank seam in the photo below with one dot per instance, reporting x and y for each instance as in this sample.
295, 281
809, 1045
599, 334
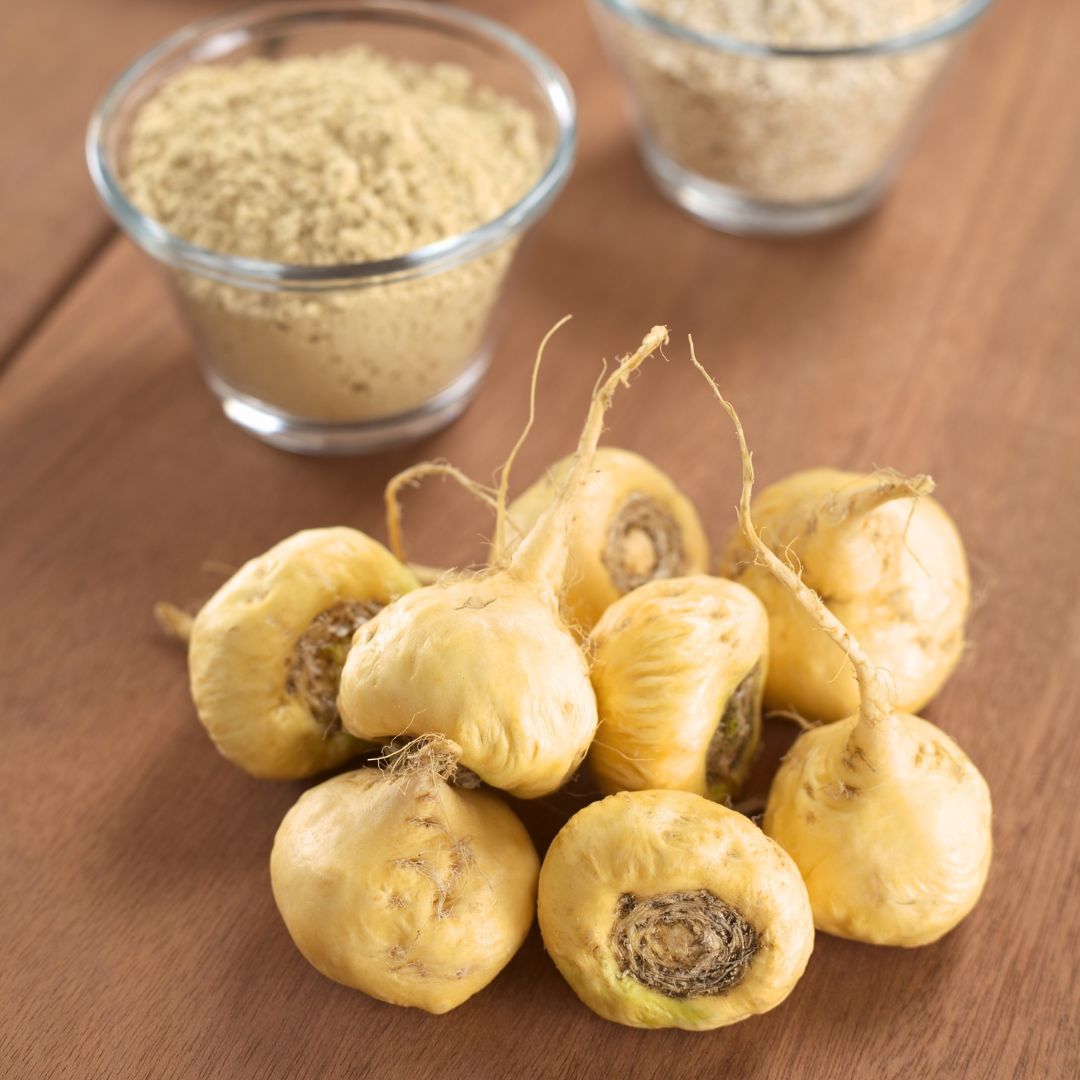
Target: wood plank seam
26, 333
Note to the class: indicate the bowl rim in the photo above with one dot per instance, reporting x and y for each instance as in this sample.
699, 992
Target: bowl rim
444, 254
954, 21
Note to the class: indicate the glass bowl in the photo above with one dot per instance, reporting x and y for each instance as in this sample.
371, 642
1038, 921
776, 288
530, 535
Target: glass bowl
354, 357
752, 137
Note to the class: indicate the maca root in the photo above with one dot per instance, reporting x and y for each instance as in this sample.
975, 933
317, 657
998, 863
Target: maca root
314, 668
682, 944
643, 544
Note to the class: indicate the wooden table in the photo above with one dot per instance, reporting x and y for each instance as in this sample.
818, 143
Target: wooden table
138, 936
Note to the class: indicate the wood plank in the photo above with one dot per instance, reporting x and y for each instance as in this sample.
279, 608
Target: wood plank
56, 58
138, 930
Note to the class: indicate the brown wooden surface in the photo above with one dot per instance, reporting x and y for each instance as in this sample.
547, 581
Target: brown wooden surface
138, 936
56, 59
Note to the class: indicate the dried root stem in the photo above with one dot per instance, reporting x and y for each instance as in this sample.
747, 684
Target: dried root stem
793, 717
411, 477
501, 542
174, 621
875, 704
734, 729
541, 556
870, 492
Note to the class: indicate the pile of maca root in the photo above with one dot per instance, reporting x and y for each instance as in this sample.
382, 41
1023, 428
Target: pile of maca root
596, 631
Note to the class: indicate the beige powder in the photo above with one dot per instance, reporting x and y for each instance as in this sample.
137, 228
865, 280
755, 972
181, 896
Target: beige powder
782, 130
328, 159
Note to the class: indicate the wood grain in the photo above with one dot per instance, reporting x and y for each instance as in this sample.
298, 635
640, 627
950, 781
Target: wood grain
56, 59
138, 935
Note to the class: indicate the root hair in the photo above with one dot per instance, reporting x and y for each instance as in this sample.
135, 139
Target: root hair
411, 477
431, 755
447, 887
499, 546
876, 717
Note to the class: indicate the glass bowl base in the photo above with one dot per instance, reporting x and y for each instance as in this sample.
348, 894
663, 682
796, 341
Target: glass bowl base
316, 437
731, 210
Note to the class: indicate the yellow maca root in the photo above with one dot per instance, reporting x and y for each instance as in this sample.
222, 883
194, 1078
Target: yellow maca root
888, 563
678, 667
397, 884
635, 526
485, 658
266, 650
663, 909
886, 817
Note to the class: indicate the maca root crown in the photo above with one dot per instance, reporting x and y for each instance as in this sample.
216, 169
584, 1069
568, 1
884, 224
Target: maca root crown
644, 543
683, 944
314, 671
738, 725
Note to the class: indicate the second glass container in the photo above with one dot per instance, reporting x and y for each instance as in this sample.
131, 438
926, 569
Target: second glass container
750, 136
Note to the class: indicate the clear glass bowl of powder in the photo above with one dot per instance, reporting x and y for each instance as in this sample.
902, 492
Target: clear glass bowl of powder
336, 191
779, 116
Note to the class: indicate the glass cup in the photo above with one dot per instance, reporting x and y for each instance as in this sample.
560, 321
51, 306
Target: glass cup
751, 137
362, 356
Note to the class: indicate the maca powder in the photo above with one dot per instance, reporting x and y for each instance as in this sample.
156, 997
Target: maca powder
321, 160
